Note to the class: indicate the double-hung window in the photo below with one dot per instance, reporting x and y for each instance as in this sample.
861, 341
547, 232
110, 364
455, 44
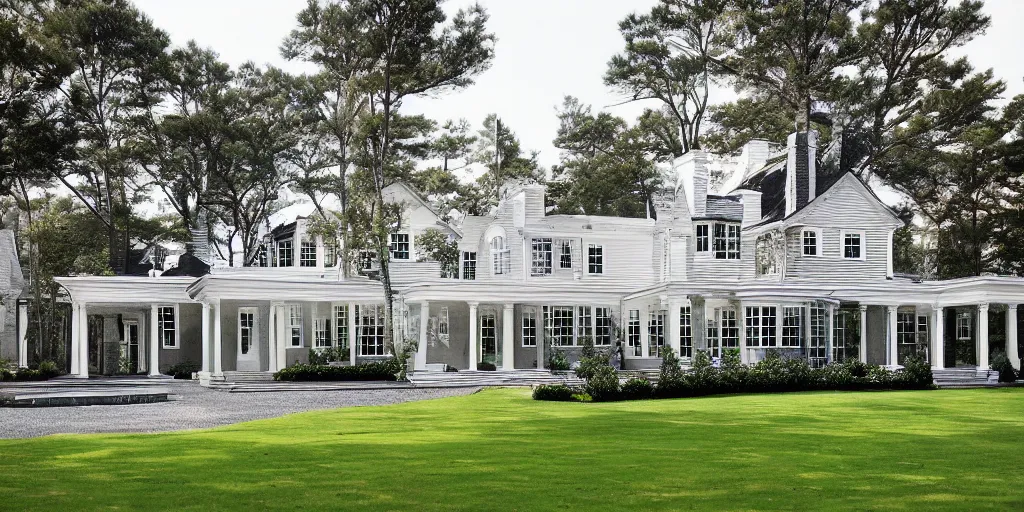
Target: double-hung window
322, 332
853, 245
565, 254
399, 246
370, 328
330, 253
541, 260
284, 253
602, 327
584, 324
730, 331
307, 254
294, 328
810, 240
656, 333
529, 328
442, 324
633, 334
703, 239
167, 326
341, 326
963, 325
469, 266
562, 326
726, 241
792, 321
685, 332
499, 255
595, 259
366, 260
761, 326
905, 328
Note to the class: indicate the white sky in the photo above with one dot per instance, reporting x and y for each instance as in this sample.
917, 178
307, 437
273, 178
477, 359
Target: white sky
545, 50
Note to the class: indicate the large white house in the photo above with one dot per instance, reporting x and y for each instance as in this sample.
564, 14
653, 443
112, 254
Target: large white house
779, 258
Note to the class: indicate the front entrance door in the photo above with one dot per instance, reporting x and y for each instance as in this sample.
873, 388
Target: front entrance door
132, 348
248, 346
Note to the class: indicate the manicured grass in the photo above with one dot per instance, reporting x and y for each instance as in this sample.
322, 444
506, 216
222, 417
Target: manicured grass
499, 450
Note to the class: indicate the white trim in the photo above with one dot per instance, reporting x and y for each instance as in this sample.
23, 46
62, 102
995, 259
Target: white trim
863, 243
253, 335
819, 245
177, 326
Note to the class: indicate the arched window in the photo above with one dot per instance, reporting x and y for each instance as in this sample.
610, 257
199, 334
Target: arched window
499, 255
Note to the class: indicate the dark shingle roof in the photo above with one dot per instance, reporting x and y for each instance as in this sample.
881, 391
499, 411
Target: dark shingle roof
724, 207
770, 181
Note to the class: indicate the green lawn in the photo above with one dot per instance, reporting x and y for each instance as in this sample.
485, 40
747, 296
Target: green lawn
499, 450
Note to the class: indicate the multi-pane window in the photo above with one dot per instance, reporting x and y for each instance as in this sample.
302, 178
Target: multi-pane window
792, 321
584, 323
330, 253
817, 345
341, 326
726, 241
656, 333
370, 329
261, 256
602, 327
307, 254
841, 333
633, 332
168, 327
565, 254
760, 322
488, 338
529, 328
366, 260
321, 332
562, 326
469, 265
685, 332
702, 238
499, 255
246, 321
541, 260
595, 259
294, 325
905, 332
853, 246
442, 324
284, 253
963, 325
399, 246
810, 241
730, 328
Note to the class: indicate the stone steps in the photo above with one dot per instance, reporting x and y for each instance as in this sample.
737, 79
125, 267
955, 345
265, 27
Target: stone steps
248, 376
964, 378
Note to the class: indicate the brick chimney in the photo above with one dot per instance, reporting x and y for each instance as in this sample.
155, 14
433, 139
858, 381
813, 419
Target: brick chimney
801, 172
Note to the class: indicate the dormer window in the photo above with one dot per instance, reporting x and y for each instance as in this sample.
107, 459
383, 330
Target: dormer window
284, 253
499, 255
399, 246
703, 239
811, 240
307, 254
853, 244
726, 241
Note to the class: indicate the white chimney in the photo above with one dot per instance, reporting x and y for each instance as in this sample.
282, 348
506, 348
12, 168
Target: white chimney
692, 173
751, 200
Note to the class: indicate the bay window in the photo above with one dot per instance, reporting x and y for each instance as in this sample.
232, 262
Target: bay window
726, 241
760, 322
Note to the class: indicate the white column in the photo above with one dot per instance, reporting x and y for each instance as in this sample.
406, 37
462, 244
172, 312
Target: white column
830, 341
206, 338
863, 333
272, 339
982, 337
938, 348
75, 337
741, 321
154, 341
353, 339
508, 345
891, 358
83, 346
541, 333
472, 336
22, 335
1011, 336
673, 326
421, 349
217, 345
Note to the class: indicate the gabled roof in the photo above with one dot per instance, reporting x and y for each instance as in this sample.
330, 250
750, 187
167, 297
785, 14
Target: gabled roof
851, 179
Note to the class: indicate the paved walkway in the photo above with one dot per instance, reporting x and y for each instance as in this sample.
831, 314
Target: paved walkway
193, 406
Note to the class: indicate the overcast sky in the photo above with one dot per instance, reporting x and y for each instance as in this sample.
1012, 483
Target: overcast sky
545, 50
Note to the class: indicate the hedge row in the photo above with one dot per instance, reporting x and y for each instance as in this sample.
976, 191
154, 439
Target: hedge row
774, 374
381, 370
46, 370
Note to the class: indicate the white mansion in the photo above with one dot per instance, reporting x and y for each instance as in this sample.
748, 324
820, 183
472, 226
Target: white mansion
779, 258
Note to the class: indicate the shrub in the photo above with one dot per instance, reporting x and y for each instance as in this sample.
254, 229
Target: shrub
671, 378
916, 374
49, 369
582, 397
554, 392
1002, 364
6, 375
557, 362
591, 360
484, 366
637, 388
388, 369
182, 370
603, 385
327, 355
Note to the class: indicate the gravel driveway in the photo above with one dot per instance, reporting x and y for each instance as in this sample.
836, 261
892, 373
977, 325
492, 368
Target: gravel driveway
193, 406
